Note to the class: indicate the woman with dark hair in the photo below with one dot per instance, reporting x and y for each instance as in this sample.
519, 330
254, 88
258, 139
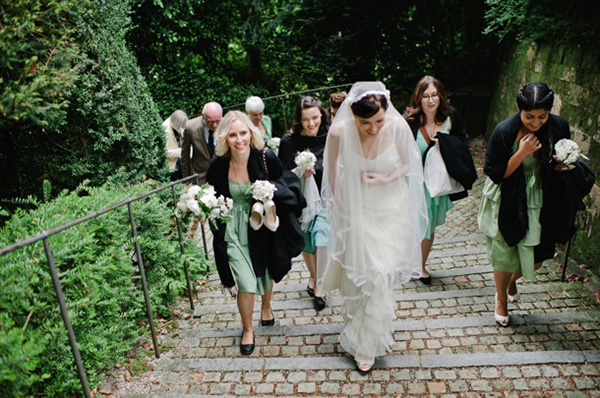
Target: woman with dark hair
428, 115
520, 167
373, 191
309, 131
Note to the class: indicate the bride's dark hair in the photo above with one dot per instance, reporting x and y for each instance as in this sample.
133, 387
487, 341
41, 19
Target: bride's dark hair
369, 105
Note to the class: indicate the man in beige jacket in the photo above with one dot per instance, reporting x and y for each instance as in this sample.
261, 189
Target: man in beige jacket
199, 141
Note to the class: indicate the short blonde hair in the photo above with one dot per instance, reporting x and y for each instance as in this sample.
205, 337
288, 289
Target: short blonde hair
178, 119
222, 149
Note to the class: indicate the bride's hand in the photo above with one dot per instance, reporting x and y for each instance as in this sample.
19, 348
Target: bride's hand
373, 179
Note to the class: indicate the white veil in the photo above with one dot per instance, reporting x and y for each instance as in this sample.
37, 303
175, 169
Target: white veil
376, 231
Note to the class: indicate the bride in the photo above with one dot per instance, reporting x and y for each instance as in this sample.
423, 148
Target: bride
373, 189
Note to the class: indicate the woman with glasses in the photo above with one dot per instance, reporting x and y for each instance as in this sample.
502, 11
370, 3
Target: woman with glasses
429, 114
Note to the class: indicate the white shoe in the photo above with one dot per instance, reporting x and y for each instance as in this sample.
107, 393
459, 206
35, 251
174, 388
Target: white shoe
514, 298
271, 219
502, 320
256, 216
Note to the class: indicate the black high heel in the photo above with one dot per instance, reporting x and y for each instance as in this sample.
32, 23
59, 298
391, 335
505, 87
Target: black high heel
310, 290
426, 280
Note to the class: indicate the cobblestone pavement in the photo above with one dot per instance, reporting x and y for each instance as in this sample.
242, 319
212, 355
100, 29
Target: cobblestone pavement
446, 341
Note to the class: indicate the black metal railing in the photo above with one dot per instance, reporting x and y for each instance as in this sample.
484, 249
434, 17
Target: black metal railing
43, 236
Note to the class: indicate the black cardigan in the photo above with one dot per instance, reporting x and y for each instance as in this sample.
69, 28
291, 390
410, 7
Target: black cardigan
512, 219
268, 250
454, 151
292, 143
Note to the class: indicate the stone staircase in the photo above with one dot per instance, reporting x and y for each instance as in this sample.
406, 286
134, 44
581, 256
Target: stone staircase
446, 340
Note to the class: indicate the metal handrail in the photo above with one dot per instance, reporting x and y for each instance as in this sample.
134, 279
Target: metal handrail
44, 235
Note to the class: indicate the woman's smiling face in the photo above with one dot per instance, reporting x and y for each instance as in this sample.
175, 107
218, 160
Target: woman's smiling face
534, 119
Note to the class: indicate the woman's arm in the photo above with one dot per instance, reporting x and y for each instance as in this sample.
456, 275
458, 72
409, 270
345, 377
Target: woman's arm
528, 144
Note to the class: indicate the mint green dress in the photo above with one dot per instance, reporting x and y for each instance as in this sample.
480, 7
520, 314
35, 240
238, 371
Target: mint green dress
268, 125
519, 258
436, 207
238, 251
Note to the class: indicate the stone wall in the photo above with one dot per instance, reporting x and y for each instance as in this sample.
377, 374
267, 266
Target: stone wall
574, 75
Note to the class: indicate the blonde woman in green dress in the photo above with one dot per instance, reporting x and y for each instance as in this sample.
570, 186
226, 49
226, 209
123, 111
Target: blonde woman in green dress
242, 255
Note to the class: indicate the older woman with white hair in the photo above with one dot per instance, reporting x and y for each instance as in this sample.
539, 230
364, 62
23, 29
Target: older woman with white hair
174, 127
255, 109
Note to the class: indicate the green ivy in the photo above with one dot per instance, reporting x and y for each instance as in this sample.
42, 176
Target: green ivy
100, 278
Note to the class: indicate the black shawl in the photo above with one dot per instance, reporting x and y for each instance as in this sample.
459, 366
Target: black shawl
292, 143
268, 250
512, 219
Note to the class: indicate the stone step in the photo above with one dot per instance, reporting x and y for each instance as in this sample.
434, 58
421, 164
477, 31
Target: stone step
556, 373
458, 335
442, 277
386, 362
563, 373
424, 298
456, 256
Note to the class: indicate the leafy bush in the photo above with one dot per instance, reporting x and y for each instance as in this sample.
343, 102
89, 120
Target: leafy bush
555, 21
99, 275
74, 103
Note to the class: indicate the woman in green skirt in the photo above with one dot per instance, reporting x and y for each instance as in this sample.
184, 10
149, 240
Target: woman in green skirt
519, 165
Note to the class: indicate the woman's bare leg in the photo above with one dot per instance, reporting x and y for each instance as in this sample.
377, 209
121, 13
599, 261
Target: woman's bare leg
265, 307
426, 245
245, 302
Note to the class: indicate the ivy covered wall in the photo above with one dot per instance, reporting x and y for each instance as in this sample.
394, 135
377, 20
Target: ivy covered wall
574, 75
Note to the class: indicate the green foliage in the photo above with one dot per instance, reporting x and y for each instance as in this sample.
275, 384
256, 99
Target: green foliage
554, 21
76, 105
100, 278
226, 51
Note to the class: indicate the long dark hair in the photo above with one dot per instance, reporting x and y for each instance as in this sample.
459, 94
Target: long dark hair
414, 110
305, 103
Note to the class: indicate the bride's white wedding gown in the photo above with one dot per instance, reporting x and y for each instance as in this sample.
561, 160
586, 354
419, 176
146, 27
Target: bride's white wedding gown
363, 265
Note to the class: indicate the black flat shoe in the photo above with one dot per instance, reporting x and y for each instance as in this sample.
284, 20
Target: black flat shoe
320, 303
246, 349
268, 322
310, 290
426, 280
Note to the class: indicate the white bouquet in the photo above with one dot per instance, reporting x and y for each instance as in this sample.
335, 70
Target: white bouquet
203, 202
262, 190
568, 152
305, 161
274, 142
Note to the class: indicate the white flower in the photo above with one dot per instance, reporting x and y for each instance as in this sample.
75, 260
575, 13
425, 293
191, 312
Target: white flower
193, 206
568, 152
263, 190
193, 191
209, 200
305, 160
274, 142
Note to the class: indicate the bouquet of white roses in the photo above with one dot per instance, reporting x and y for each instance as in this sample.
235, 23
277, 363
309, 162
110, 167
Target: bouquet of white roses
263, 211
262, 190
568, 152
305, 161
203, 202
274, 142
